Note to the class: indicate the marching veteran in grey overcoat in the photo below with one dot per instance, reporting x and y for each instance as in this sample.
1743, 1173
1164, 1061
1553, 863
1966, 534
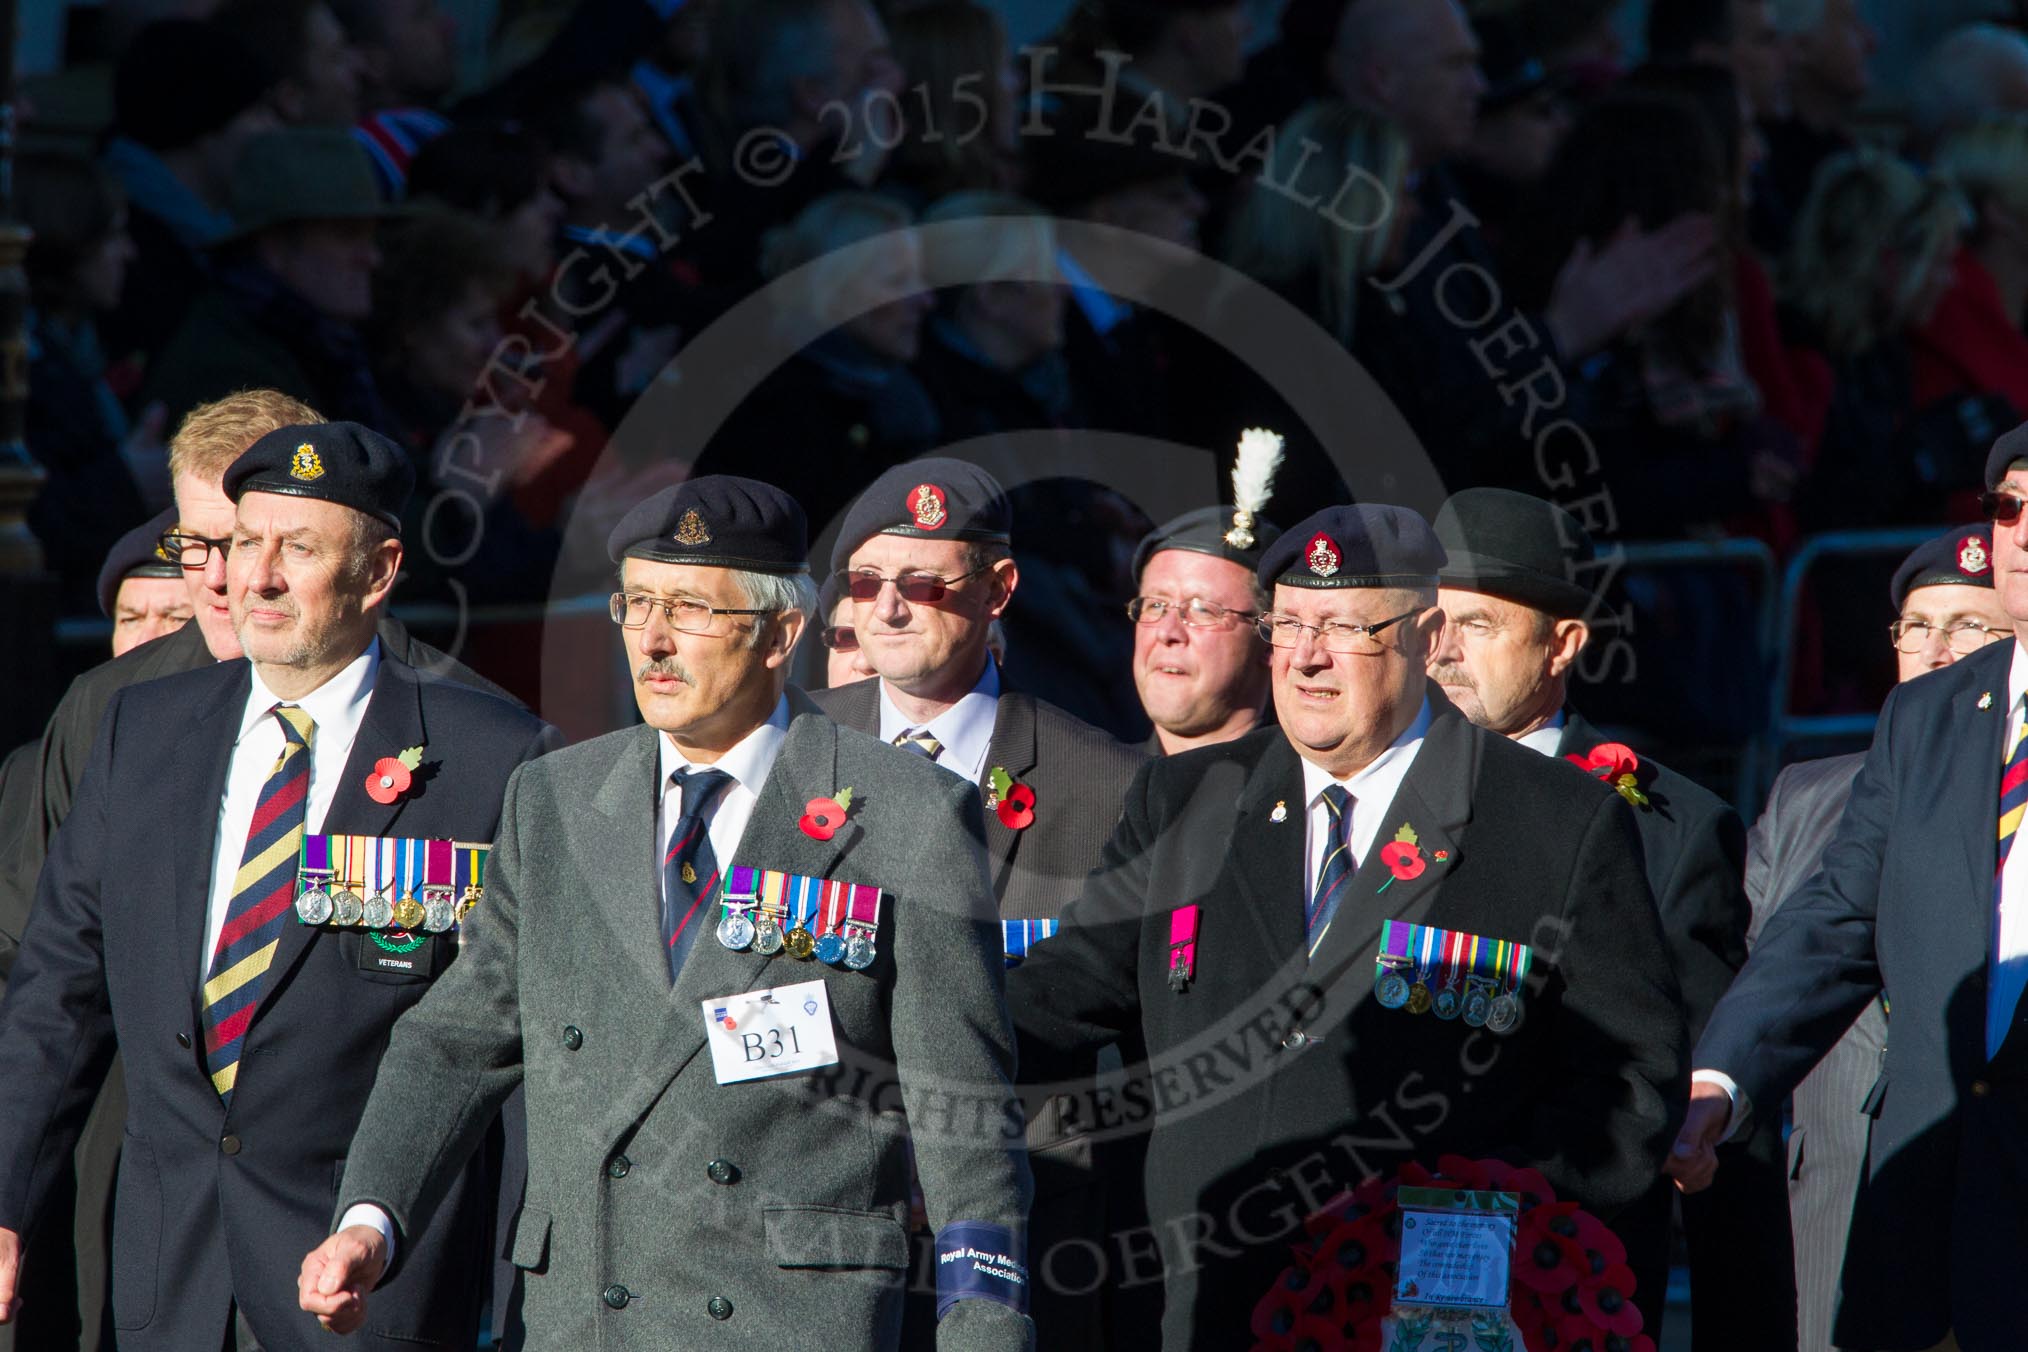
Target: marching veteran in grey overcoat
679, 1194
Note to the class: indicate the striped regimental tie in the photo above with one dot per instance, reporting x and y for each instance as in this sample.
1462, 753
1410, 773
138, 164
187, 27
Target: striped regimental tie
1336, 870
921, 741
2013, 801
262, 891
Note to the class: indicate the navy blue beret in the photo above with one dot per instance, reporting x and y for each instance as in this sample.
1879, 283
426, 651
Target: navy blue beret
2011, 446
341, 462
935, 498
1962, 557
718, 521
1209, 530
1366, 545
1516, 546
138, 553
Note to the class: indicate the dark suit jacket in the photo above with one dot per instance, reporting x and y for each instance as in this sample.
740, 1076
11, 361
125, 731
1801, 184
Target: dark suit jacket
779, 1203
1827, 1141
1904, 903
214, 1206
1254, 1126
1743, 1298
1080, 777
67, 743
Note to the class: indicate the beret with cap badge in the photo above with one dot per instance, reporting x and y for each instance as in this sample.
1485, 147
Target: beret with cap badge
1364, 545
1962, 557
717, 521
934, 498
1239, 533
138, 553
342, 462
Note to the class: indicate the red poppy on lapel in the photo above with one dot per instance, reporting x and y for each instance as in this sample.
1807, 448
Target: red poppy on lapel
1616, 764
392, 775
1012, 802
823, 816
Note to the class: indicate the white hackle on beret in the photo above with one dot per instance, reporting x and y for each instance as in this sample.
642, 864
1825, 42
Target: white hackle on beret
1253, 481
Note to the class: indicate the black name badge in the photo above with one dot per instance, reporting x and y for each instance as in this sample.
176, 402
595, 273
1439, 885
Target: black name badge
396, 958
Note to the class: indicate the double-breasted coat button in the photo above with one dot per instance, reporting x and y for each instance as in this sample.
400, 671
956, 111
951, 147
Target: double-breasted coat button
572, 1039
722, 1171
1980, 1089
229, 1145
1296, 1039
720, 1308
617, 1296
619, 1167
183, 1040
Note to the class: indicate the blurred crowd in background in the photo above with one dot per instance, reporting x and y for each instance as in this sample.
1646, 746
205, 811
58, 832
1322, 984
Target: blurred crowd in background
1686, 270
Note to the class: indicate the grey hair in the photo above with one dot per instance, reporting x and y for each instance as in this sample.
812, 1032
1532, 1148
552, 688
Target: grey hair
1963, 78
777, 592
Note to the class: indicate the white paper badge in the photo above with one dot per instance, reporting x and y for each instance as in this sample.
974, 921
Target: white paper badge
778, 1031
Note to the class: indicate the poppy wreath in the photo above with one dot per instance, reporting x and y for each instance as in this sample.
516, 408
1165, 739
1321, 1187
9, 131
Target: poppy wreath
1570, 1289
1615, 764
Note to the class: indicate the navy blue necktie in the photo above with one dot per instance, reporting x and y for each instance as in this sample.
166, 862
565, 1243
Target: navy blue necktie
689, 869
1336, 870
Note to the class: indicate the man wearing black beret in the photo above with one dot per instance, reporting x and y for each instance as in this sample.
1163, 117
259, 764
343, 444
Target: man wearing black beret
745, 963
923, 555
141, 586
165, 921
1921, 902
1200, 664
1514, 600
1946, 610
1371, 935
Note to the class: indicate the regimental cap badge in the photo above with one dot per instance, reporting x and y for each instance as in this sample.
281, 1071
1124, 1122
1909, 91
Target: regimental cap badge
306, 466
1322, 555
691, 530
926, 504
1972, 557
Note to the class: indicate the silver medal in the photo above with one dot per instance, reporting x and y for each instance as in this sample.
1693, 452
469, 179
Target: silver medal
1446, 1003
1392, 990
1478, 1008
1505, 1014
313, 907
859, 951
439, 915
346, 908
767, 935
377, 912
735, 931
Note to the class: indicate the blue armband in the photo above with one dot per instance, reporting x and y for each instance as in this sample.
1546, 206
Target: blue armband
977, 1261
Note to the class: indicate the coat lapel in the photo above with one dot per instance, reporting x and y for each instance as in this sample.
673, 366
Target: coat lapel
1013, 750
1973, 799
205, 749
1267, 855
1435, 802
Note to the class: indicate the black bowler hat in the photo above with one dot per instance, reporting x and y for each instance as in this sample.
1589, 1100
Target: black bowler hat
934, 498
1962, 557
1366, 545
138, 553
718, 521
341, 462
1515, 546
2009, 450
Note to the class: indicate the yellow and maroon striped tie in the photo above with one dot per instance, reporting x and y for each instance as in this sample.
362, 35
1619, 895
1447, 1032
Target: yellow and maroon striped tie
262, 891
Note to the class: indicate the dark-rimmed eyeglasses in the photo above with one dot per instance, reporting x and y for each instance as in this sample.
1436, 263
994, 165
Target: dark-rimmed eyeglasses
2001, 509
918, 589
192, 550
1336, 636
1194, 611
630, 610
839, 638
1963, 638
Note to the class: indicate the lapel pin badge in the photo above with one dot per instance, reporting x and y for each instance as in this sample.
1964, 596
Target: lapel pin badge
1281, 812
1986, 700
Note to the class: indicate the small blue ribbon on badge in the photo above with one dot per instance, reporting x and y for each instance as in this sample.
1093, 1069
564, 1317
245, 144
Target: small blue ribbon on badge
980, 1261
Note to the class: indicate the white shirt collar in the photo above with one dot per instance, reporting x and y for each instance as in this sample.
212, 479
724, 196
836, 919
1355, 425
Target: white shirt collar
1375, 785
2017, 675
749, 759
335, 706
965, 729
1546, 738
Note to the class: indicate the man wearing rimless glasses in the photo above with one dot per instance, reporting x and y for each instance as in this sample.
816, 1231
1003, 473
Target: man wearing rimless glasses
924, 563
1920, 902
